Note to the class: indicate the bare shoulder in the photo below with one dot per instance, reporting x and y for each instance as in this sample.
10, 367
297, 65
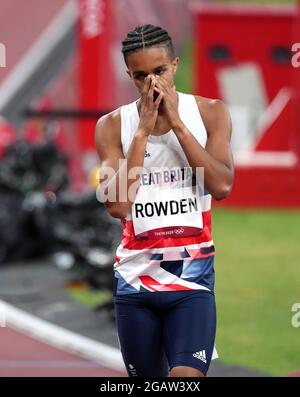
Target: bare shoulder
108, 128
210, 106
213, 112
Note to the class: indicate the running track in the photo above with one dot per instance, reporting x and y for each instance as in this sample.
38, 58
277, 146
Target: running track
21, 355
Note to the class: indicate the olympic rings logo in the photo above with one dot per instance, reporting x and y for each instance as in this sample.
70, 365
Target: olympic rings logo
179, 231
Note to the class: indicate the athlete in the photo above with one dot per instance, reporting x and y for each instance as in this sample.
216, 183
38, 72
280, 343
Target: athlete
164, 270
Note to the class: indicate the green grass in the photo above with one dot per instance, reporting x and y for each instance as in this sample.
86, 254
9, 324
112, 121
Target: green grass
257, 282
88, 297
183, 77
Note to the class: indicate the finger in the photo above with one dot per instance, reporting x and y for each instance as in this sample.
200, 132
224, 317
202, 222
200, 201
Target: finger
151, 88
147, 82
167, 86
162, 86
163, 82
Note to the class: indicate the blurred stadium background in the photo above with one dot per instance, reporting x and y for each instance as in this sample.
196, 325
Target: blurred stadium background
63, 68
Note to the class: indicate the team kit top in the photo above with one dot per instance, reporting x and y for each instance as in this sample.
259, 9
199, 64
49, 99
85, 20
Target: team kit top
166, 242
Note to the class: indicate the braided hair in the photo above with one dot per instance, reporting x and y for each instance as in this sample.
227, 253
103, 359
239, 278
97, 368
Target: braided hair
146, 36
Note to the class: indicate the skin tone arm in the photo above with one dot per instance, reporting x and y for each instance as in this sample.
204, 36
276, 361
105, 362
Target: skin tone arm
216, 158
108, 145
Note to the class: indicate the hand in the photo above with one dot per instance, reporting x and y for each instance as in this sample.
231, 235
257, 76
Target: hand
149, 107
170, 101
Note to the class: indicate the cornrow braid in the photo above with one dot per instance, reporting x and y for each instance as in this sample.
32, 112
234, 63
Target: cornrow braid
147, 36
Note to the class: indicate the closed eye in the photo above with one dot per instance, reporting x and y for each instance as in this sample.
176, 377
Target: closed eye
159, 71
140, 76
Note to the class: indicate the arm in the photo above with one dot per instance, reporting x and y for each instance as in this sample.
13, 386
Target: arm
109, 148
216, 158
108, 144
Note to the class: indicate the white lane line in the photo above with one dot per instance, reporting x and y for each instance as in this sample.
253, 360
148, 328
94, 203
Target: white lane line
62, 338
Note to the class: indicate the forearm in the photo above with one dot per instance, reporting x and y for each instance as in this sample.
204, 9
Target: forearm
218, 177
125, 181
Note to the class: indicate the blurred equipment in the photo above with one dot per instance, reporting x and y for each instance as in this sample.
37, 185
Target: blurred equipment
30, 176
40, 216
84, 237
8, 135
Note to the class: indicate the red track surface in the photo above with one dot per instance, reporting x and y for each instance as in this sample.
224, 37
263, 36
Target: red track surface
21, 355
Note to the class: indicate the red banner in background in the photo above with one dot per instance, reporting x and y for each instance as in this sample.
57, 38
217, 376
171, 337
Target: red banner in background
297, 83
253, 73
96, 74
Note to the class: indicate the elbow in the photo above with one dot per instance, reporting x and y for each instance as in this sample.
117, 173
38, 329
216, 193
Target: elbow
222, 192
116, 211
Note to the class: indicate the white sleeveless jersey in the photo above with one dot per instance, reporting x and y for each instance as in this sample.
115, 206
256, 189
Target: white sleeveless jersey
166, 242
